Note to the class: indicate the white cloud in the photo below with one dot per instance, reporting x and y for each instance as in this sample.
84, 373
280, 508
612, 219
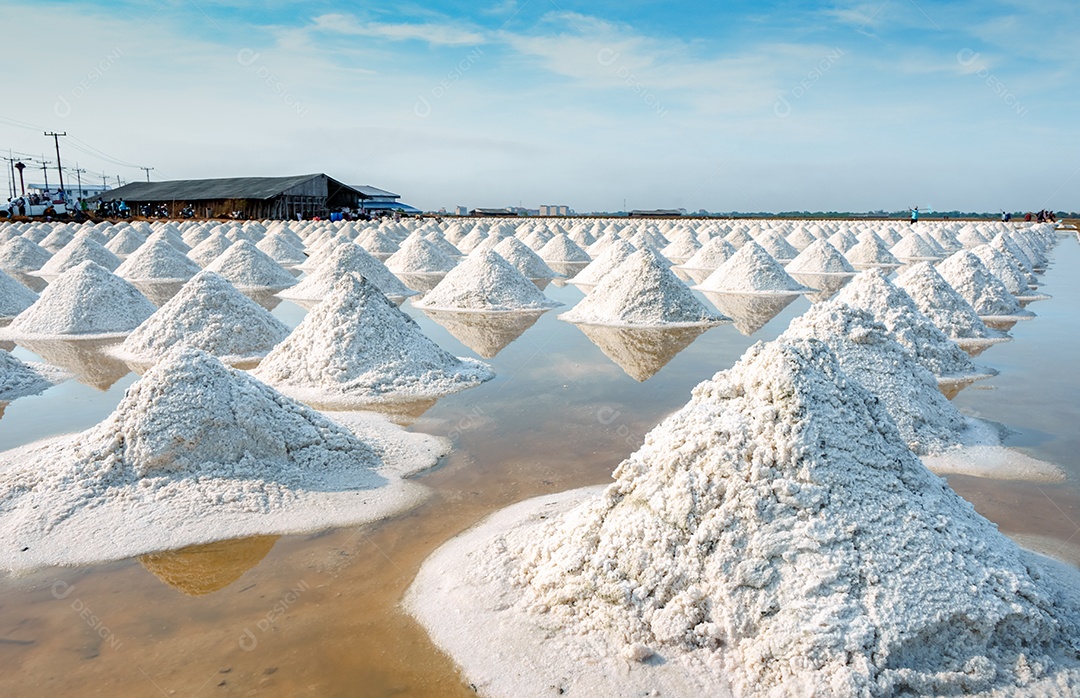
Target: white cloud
435, 34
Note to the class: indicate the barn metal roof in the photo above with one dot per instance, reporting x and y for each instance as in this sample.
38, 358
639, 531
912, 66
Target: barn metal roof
209, 189
369, 191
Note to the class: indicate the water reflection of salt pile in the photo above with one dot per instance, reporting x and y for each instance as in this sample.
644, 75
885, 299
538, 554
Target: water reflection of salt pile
88, 360
198, 570
750, 311
485, 333
827, 285
641, 351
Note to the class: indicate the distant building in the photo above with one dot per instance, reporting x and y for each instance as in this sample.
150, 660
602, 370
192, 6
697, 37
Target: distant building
72, 189
550, 210
250, 197
461, 211
492, 212
658, 213
375, 199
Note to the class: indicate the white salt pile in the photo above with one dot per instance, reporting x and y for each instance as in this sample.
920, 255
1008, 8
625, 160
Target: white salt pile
610, 258
893, 307
125, 242
946, 308
209, 249
772, 538
346, 258
87, 301
355, 347
778, 248
14, 297
245, 266
197, 452
642, 292
418, 255
751, 270
523, 259
928, 422
278, 247
985, 292
871, 251
711, 255
208, 313
820, 257
19, 379
1004, 268
485, 282
156, 260
913, 247
561, 249
80, 249
22, 254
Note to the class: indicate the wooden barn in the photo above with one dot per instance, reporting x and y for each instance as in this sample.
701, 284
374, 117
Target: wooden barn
249, 197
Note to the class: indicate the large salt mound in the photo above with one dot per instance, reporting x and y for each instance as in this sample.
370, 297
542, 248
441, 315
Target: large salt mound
987, 294
561, 249
210, 249
418, 255
22, 254
642, 292
871, 251
486, 282
125, 242
1004, 268
197, 452
18, 379
945, 307
711, 255
868, 353
893, 307
820, 257
80, 249
14, 297
751, 270
157, 260
772, 538
278, 248
346, 258
914, 247
523, 259
208, 313
86, 301
357, 347
778, 248
610, 258
247, 267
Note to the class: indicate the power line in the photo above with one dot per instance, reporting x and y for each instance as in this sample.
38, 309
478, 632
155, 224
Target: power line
59, 167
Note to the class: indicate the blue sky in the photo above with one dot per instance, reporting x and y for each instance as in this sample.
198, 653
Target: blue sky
722, 106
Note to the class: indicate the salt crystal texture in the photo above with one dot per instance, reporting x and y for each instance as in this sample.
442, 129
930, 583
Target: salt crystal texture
820, 257
642, 292
208, 313
80, 249
19, 379
944, 306
418, 255
523, 259
245, 266
346, 258
987, 294
157, 260
562, 249
86, 301
867, 352
197, 452
356, 346
775, 532
14, 297
485, 282
608, 259
751, 270
21, 254
711, 255
210, 249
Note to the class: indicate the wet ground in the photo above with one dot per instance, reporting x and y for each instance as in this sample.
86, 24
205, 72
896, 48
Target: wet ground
318, 614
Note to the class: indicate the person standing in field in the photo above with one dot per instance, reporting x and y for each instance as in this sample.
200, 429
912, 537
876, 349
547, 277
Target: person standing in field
915, 215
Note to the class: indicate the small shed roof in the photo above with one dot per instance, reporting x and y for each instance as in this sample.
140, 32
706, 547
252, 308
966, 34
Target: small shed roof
369, 191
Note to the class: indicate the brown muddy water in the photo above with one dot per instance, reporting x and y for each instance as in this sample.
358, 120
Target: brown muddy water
318, 614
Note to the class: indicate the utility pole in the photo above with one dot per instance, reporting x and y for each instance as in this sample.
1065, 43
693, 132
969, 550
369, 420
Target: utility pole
104, 180
59, 168
147, 170
118, 185
45, 170
11, 165
78, 174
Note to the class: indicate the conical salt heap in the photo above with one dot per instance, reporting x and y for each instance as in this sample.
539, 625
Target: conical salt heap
125, 242
751, 270
18, 378
23, 255
778, 248
157, 260
485, 282
711, 255
561, 249
418, 255
819, 257
607, 260
210, 249
774, 534
208, 313
356, 346
278, 247
245, 266
85, 301
346, 258
523, 259
642, 292
867, 352
946, 308
871, 251
1005, 269
14, 297
914, 247
893, 307
81, 248
987, 294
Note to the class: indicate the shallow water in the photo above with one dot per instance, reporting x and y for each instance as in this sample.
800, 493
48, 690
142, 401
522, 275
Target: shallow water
317, 614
